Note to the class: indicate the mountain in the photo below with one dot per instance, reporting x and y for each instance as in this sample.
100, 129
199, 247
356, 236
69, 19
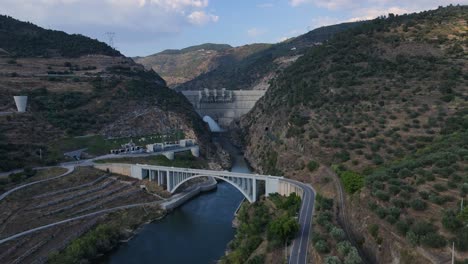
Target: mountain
255, 70
384, 105
24, 39
78, 86
180, 66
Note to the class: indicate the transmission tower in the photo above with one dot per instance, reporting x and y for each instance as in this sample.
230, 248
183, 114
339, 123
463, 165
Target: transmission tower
110, 37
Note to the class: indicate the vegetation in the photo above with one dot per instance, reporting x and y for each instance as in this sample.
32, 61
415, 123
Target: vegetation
24, 39
352, 181
104, 236
330, 240
244, 73
271, 220
181, 160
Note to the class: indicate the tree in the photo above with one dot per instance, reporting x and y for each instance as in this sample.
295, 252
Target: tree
312, 165
283, 228
450, 221
418, 205
343, 248
322, 246
337, 233
332, 260
353, 257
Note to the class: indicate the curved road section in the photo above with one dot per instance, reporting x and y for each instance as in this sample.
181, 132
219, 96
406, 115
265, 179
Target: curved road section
5, 194
300, 244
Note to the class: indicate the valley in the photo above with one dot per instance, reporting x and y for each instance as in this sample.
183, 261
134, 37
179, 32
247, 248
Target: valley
346, 144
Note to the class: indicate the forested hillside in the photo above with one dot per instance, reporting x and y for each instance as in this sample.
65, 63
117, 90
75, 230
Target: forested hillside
180, 66
78, 86
257, 69
23, 39
385, 105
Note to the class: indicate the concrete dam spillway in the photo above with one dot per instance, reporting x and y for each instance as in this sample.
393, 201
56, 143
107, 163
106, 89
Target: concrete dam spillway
223, 106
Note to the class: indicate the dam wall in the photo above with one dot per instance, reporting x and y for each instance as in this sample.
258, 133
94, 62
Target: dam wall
224, 106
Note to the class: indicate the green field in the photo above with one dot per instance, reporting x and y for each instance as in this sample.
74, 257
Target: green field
181, 160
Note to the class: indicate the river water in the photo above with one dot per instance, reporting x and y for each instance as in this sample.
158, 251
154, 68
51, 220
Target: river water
196, 232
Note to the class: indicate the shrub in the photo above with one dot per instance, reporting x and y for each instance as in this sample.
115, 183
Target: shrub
324, 203
382, 195
258, 259
324, 218
381, 212
353, 257
418, 204
283, 228
461, 239
343, 248
312, 165
322, 246
332, 260
402, 227
399, 203
338, 234
450, 221
374, 230
352, 181
433, 240
391, 219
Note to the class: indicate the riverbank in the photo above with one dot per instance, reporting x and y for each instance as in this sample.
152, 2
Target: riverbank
264, 229
192, 218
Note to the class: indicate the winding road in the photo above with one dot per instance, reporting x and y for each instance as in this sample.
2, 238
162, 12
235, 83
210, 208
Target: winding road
70, 169
299, 248
300, 245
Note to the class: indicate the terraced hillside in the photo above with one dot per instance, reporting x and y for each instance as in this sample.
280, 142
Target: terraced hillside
78, 86
83, 192
384, 103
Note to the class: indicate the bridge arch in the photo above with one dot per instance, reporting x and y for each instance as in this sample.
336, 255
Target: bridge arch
248, 196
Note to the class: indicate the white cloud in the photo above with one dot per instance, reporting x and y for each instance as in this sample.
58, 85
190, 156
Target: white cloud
150, 16
201, 18
353, 5
371, 13
328, 4
324, 21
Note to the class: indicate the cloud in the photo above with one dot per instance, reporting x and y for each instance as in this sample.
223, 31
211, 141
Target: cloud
354, 5
150, 16
371, 13
324, 21
255, 32
201, 18
328, 4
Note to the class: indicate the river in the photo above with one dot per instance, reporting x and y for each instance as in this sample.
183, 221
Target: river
196, 232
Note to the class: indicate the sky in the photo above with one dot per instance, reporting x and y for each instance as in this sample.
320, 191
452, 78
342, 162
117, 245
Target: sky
144, 27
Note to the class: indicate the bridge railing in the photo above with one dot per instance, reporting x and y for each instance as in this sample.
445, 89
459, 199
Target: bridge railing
209, 172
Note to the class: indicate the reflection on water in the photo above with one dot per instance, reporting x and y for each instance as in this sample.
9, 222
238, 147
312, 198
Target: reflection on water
197, 232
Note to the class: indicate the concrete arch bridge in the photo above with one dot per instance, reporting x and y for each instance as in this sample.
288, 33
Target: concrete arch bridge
250, 185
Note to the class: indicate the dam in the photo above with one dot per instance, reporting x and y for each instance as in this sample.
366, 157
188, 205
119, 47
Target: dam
223, 106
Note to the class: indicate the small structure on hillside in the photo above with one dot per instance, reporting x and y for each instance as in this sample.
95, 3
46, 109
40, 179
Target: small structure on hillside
129, 147
157, 147
21, 102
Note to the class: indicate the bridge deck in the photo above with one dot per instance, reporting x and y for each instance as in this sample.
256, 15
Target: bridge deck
210, 172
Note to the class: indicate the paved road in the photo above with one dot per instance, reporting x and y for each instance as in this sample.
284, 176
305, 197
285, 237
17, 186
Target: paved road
300, 244
5, 194
27, 232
